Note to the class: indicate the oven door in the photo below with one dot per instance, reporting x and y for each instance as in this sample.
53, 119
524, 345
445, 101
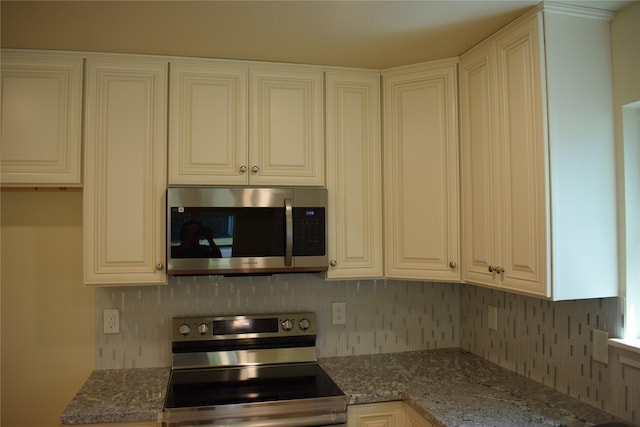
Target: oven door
312, 413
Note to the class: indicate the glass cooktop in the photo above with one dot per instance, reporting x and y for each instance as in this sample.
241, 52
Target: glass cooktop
209, 387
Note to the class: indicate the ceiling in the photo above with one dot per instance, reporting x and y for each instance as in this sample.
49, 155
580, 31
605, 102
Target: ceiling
369, 34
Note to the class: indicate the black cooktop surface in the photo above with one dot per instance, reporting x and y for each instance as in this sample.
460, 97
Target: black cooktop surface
205, 387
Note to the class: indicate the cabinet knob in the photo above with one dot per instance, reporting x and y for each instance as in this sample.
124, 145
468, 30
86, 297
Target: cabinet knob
333, 263
243, 168
496, 269
255, 169
453, 264
159, 266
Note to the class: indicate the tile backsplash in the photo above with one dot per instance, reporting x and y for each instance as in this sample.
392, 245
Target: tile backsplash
551, 342
383, 316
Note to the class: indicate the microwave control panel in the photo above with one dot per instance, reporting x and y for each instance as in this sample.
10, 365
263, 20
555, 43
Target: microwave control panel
309, 231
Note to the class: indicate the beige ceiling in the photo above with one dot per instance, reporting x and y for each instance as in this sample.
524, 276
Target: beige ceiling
370, 34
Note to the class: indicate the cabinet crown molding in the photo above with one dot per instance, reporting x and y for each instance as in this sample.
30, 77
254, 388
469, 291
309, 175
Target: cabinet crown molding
579, 11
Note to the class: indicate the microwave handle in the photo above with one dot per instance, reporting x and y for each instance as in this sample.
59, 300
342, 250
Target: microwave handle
288, 250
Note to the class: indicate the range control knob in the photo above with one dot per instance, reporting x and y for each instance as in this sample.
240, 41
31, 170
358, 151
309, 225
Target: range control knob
304, 324
184, 329
203, 328
287, 324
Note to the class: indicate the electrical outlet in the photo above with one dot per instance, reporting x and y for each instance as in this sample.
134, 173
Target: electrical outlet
600, 349
339, 313
111, 321
492, 317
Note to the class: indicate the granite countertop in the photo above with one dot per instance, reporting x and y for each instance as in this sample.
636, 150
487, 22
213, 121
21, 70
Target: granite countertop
119, 395
448, 387
453, 388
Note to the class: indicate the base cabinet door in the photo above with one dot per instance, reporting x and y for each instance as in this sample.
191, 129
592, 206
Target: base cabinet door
385, 414
354, 177
414, 419
41, 119
125, 172
388, 414
421, 193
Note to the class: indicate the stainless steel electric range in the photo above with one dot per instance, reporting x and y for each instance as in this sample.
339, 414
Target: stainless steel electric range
250, 371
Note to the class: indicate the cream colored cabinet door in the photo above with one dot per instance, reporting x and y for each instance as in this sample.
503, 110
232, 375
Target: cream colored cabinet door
287, 127
208, 123
480, 173
41, 119
521, 156
125, 171
537, 156
414, 419
354, 179
388, 414
502, 156
421, 172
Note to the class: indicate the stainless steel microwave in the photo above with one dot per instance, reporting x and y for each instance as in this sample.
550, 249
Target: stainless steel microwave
239, 230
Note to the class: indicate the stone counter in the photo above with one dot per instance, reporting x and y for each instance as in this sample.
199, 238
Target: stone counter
448, 387
452, 388
119, 395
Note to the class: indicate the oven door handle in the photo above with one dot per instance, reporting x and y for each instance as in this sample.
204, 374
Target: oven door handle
288, 251
193, 418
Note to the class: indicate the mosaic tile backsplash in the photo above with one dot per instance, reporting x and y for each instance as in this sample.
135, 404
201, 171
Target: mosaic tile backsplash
549, 342
382, 316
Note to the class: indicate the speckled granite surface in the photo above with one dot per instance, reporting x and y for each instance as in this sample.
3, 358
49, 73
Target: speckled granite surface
448, 387
119, 395
453, 388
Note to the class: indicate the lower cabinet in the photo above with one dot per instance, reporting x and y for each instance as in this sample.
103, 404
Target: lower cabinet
387, 414
414, 419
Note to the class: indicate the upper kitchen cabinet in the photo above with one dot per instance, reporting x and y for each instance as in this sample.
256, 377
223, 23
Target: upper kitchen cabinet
537, 157
41, 119
286, 125
212, 141
354, 180
208, 123
125, 170
421, 207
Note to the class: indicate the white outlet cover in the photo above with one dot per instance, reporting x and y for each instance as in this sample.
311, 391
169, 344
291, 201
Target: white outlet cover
339, 313
601, 346
111, 321
492, 317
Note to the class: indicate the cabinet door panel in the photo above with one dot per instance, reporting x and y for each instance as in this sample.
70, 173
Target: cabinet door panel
41, 119
421, 175
388, 414
354, 175
125, 161
522, 142
208, 124
287, 132
479, 175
